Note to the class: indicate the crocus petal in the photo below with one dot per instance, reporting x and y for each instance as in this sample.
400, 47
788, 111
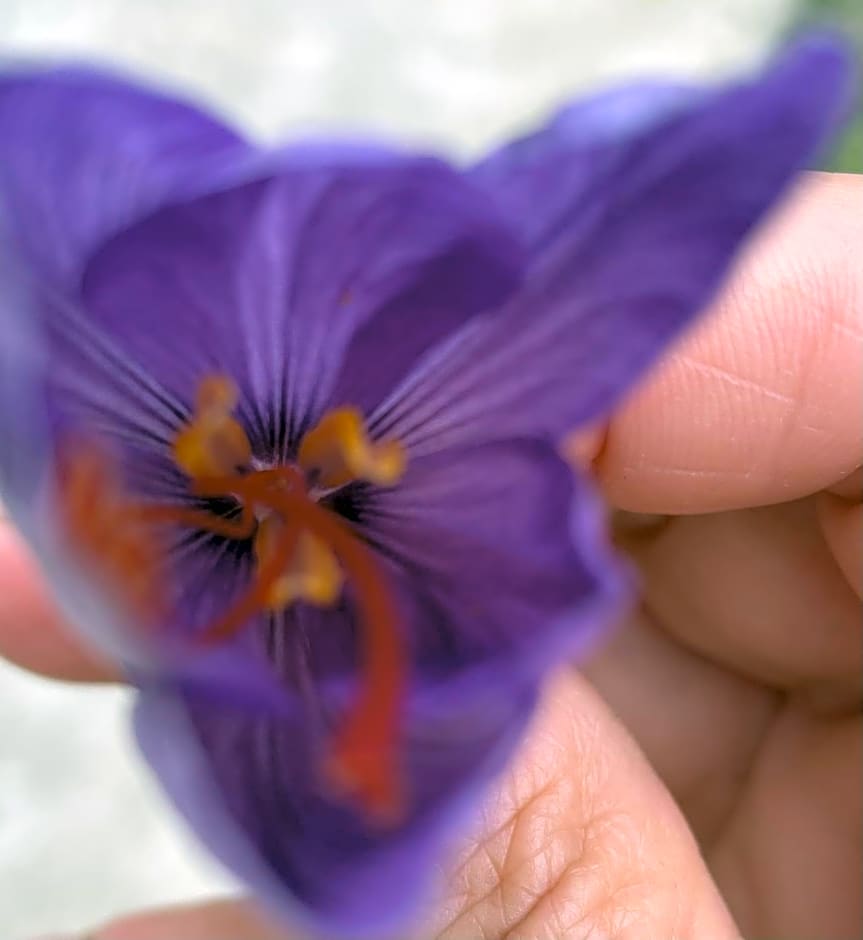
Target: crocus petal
249, 787
538, 180
629, 265
446, 293
23, 432
83, 152
496, 554
500, 552
269, 282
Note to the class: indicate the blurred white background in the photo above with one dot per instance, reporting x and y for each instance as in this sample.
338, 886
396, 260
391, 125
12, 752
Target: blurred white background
84, 834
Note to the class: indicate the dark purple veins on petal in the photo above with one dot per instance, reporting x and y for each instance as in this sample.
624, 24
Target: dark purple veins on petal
632, 260
272, 281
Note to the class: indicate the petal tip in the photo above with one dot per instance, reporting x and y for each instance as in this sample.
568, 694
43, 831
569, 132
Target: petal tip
826, 57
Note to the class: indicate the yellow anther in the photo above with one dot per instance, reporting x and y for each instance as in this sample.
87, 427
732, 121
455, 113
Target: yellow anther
338, 450
214, 442
313, 575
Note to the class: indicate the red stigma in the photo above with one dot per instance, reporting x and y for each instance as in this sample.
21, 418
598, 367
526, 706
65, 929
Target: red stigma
304, 552
362, 762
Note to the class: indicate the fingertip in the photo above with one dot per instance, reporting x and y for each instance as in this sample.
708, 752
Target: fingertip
763, 401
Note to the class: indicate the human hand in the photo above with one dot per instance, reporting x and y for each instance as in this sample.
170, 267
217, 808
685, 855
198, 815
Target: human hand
701, 777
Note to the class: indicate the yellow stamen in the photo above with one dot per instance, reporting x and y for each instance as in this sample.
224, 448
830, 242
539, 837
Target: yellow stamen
313, 574
338, 451
305, 553
214, 442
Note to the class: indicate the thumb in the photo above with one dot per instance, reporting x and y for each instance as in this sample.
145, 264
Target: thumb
580, 839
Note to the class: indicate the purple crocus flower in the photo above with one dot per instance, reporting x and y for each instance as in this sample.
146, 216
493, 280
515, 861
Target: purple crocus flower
283, 427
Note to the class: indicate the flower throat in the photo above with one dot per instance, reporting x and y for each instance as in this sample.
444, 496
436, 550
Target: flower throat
303, 552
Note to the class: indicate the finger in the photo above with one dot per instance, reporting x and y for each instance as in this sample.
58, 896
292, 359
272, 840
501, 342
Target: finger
764, 401
702, 738
790, 856
33, 634
217, 920
581, 840
757, 591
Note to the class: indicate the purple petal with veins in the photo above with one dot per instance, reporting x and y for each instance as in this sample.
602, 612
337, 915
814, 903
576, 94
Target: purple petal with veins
329, 735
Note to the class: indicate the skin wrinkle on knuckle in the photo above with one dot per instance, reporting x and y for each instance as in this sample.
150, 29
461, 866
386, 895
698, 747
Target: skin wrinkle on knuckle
504, 830
821, 302
626, 894
594, 877
741, 383
809, 361
512, 870
568, 895
512, 851
553, 860
611, 891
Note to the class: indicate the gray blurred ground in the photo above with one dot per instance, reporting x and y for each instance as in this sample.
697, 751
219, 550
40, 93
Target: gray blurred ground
83, 832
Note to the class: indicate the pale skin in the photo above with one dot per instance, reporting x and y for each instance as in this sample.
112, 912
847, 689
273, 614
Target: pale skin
702, 775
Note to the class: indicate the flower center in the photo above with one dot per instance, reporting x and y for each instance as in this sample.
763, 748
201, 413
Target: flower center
303, 552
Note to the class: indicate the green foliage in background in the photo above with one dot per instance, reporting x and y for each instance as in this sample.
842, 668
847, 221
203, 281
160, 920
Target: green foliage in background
846, 15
